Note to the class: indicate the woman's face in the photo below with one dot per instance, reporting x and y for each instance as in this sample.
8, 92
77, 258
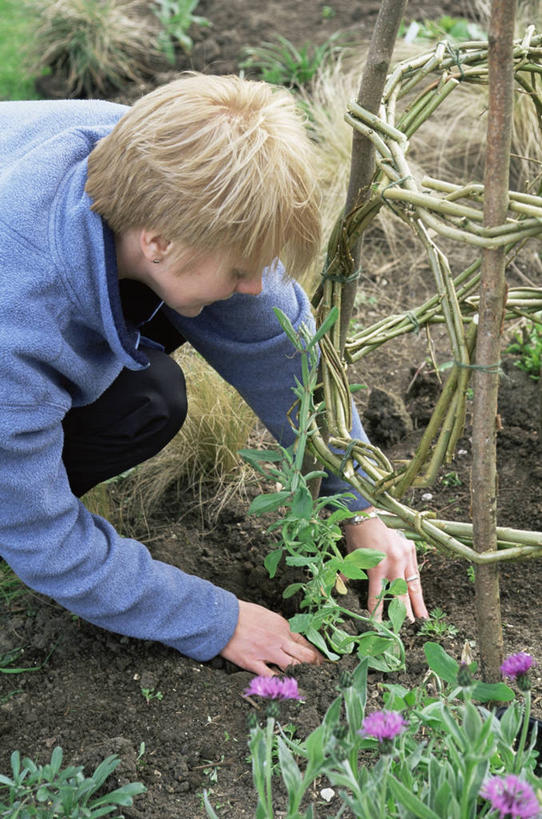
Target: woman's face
200, 279
189, 280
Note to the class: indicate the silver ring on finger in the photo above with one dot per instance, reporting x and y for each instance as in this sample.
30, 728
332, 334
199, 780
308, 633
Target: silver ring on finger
412, 578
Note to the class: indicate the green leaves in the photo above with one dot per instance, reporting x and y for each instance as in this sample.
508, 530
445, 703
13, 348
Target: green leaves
446, 668
434, 768
405, 797
176, 17
272, 561
381, 652
364, 558
308, 539
528, 346
441, 663
268, 503
257, 456
282, 63
50, 790
396, 611
302, 504
299, 343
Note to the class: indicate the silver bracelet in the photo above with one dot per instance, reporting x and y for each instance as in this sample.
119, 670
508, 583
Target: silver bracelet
357, 519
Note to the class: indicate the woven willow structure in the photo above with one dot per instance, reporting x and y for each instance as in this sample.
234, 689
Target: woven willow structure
434, 209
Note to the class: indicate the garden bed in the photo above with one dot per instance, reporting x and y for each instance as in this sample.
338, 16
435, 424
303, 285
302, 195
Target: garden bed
89, 697
180, 726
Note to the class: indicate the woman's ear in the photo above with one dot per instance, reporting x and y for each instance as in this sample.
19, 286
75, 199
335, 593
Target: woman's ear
153, 245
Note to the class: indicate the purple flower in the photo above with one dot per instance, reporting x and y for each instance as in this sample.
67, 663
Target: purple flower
273, 688
516, 665
383, 725
511, 797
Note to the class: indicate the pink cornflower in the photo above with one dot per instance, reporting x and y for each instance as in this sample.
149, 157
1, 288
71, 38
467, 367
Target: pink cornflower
383, 725
517, 665
273, 688
511, 797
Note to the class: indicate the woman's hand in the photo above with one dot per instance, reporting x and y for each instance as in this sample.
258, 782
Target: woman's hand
264, 637
400, 562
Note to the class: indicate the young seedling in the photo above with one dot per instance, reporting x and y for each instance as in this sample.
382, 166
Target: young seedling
140, 762
527, 345
451, 479
437, 625
211, 772
150, 694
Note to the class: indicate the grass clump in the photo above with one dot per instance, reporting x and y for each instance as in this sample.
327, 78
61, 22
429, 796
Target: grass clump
204, 453
281, 63
10, 586
94, 45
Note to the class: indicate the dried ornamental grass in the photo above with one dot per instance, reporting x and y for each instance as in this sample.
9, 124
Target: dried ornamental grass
93, 44
451, 145
205, 451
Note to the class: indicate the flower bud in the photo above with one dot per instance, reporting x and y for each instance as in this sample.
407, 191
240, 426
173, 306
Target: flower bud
345, 679
523, 682
272, 710
340, 732
464, 676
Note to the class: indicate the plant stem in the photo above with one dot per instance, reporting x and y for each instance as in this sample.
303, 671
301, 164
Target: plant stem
268, 766
491, 315
524, 731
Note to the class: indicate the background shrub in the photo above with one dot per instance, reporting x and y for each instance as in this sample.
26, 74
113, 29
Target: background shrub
94, 45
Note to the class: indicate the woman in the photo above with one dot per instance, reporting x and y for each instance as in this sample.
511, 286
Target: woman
125, 232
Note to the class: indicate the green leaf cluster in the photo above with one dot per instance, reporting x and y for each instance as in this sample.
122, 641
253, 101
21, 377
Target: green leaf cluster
435, 767
527, 345
177, 17
50, 791
454, 29
282, 63
309, 536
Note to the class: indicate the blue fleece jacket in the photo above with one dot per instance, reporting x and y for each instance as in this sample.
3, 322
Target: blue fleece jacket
63, 341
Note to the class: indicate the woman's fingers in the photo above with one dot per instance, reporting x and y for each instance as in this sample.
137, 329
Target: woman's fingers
399, 562
415, 594
263, 637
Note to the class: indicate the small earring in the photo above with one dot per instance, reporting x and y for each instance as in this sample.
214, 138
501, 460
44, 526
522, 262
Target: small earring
156, 261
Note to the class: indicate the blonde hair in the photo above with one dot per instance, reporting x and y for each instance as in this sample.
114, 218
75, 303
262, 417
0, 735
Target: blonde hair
213, 162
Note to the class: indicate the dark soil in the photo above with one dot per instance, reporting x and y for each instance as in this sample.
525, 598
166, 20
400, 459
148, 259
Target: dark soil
87, 696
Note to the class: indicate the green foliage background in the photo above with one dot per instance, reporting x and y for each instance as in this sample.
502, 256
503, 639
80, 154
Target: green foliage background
15, 84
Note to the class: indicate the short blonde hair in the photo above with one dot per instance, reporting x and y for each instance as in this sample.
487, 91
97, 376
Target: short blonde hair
213, 162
